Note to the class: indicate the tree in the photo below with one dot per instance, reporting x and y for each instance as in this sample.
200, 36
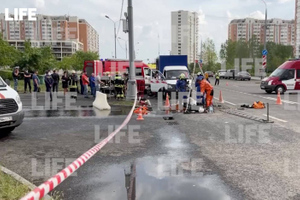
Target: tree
8, 54
80, 56
209, 55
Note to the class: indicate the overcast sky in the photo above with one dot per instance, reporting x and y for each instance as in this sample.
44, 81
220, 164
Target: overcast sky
153, 18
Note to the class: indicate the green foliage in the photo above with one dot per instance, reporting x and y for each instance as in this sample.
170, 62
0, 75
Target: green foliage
277, 53
6, 74
8, 54
76, 61
40, 59
209, 56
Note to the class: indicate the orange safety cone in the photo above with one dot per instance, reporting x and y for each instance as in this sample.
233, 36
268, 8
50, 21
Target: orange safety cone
221, 100
167, 104
278, 102
140, 116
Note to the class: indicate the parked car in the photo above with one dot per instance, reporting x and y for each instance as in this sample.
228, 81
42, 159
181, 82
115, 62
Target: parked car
11, 113
222, 73
231, 73
243, 75
210, 73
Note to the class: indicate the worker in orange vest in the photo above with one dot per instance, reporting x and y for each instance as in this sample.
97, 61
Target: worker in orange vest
207, 88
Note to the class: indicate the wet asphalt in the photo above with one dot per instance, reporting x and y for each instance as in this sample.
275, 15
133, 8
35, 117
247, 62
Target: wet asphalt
185, 158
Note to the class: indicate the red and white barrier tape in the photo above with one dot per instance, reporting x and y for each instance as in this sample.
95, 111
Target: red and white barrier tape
53, 182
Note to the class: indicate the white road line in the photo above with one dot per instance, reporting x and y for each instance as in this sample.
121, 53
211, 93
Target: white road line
226, 102
281, 120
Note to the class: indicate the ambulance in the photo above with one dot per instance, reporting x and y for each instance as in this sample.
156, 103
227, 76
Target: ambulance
11, 113
285, 77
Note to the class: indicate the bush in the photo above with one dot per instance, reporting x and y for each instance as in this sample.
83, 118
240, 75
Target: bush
6, 74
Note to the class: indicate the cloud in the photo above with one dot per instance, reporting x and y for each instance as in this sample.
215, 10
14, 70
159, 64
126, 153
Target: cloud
39, 3
257, 15
202, 17
283, 1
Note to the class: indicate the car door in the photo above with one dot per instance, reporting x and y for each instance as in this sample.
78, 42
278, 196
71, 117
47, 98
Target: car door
289, 79
297, 85
158, 82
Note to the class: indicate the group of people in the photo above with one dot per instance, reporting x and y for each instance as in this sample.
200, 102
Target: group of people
202, 85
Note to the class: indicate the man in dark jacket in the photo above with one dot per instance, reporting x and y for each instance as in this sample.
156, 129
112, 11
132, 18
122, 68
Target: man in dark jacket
27, 77
55, 78
49, 83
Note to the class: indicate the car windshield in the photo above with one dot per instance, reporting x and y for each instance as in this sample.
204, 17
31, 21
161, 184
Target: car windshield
174, 74
2, 84
278, 72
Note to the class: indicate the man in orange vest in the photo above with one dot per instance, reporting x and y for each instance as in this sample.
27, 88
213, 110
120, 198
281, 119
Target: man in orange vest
207, 88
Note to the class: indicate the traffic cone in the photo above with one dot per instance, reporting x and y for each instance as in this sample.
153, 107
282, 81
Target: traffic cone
167, 104
278, 102
140, 116
227, 84
221, 100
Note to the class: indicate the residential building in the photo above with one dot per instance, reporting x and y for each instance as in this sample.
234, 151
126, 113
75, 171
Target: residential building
297, 29
184, 34
64, 34
278, 30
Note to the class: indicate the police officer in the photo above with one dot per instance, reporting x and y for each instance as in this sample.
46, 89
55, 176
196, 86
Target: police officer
119, 84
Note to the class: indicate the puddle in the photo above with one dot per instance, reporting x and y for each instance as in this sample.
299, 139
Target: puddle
82, 112
151, 178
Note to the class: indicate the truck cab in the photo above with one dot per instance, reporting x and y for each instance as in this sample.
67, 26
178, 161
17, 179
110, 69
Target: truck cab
172, 73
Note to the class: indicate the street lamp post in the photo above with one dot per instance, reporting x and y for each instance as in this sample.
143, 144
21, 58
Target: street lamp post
125, 45
115, 33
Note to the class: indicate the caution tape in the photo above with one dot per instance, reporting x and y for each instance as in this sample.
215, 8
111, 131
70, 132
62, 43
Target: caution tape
49, 185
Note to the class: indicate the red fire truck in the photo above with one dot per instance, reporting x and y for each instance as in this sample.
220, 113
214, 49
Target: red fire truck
148, 81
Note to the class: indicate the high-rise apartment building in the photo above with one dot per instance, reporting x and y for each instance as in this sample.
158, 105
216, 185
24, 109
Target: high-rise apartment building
297, 29
278, 30
185, 34
64, 34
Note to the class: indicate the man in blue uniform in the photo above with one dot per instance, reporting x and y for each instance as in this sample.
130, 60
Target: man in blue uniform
181, 86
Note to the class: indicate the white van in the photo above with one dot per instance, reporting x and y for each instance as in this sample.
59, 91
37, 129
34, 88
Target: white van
11, 113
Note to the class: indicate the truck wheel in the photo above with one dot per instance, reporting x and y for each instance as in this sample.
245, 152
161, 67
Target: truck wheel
280, 89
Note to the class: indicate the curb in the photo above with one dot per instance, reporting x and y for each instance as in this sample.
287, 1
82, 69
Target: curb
21, 180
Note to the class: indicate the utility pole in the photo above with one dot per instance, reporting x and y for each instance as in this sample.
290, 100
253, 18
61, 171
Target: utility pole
131, 85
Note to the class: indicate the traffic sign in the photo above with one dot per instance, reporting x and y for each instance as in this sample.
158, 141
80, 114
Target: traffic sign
265, 52
201, 61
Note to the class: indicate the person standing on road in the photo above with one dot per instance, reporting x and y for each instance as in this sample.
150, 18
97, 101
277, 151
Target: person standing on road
119, 84
27, 77
49, 84
207, 88
74, 80
98, 82
197, 85
81, 84
181, 85
217, 82
36, 83
85, 83
15, 75
206, 77
55, 78
93, 84
65, 82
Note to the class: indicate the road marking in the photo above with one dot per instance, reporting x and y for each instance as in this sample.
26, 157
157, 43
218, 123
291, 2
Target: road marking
281, 120
226, 102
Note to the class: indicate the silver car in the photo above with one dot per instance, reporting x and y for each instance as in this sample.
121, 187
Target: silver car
243, 76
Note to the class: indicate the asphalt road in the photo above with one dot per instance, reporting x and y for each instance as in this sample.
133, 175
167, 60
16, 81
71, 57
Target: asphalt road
196, 156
